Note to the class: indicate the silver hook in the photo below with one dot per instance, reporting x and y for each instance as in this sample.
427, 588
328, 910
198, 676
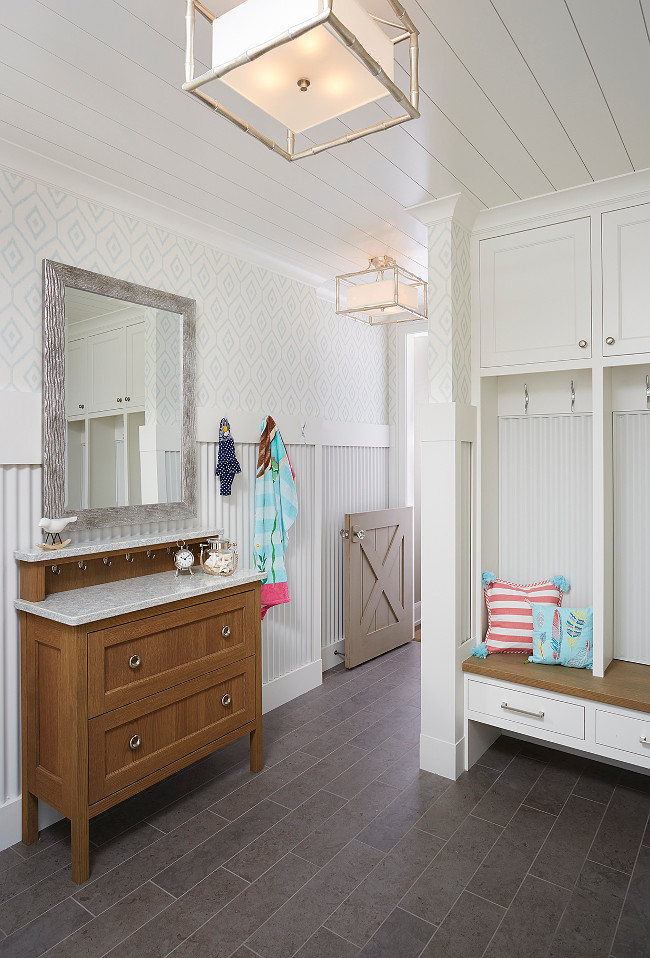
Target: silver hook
525, 398
573, 397
647, 392
302, 431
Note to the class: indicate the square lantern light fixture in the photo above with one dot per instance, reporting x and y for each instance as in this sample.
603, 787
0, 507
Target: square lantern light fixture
304, 62
383, 293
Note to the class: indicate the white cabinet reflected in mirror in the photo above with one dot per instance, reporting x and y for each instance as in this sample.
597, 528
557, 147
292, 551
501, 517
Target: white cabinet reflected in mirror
118, 400
123, 402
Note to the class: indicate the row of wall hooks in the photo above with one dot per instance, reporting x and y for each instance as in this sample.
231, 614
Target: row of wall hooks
572, 394
56, 569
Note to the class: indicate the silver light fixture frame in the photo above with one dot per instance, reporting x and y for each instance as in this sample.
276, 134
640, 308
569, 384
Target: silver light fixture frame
380, 265
327, 18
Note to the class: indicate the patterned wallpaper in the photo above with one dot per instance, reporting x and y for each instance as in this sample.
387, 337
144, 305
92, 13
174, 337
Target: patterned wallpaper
449, 313
162, 368
264, 341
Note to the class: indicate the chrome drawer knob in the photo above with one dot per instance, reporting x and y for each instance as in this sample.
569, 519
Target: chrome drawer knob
134, 742
610, 340
134, 661
226, 631
226, 700
583, 344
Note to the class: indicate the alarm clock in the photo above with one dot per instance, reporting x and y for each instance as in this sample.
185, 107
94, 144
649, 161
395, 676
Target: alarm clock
183, 560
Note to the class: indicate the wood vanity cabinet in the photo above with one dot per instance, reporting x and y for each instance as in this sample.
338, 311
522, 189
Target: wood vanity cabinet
113, 706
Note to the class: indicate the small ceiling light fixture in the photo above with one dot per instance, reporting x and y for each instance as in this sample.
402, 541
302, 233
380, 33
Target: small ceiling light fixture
383, 293
273, 51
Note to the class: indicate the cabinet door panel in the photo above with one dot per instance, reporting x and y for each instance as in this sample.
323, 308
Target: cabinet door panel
626, 281
135, 365
76, 385
535, 295
106, 364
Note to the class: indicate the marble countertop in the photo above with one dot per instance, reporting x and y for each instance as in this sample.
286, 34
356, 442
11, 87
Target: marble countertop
102, 547
79, 606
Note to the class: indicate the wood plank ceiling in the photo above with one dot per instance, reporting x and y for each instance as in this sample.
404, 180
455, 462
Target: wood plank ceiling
518, 99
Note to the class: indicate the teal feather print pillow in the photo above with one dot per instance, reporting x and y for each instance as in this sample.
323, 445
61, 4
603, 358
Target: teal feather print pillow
563, 636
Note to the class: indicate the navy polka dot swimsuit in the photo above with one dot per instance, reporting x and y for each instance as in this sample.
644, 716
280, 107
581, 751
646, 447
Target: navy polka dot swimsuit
227, 465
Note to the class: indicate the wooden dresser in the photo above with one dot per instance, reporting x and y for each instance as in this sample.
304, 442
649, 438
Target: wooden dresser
127, 681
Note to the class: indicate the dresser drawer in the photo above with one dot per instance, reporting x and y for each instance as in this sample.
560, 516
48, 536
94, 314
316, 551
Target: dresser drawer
623, 732
528, 709
135, 659
133, 741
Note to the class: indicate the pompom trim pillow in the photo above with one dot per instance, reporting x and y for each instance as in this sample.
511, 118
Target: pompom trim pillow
510, 620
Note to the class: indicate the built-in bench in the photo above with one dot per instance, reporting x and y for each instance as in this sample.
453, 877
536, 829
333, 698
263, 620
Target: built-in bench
608, 717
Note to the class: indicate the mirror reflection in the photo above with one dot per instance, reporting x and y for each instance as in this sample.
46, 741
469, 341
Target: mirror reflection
123, 402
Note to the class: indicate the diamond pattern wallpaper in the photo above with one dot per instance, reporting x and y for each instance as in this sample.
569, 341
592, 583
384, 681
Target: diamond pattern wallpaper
264, 342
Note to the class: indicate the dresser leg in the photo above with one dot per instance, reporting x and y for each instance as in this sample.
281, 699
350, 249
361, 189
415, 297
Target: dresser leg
80, 849
30, 818
256, 751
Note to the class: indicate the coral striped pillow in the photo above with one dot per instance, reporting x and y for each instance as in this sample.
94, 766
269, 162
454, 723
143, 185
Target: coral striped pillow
510, 619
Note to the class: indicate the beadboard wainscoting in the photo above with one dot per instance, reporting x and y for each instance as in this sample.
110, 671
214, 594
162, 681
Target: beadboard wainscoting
631, 530
546, 501
355, 479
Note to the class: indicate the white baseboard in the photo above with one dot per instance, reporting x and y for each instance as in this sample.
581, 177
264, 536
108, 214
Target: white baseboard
328, 658
290, 686
11, 820
442, 758
417, 613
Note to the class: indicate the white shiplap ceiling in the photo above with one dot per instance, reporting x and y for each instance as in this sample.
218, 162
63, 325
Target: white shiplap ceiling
519, 98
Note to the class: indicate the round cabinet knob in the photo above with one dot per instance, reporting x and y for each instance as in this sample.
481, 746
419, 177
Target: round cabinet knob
127, 399
135, 742
226, 700
610, 340
118, 399
81, 405
135, 661
583, 344
226, 631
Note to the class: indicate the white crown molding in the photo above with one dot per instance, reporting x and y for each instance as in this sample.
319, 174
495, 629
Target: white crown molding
51, 173
629, 188
456, 207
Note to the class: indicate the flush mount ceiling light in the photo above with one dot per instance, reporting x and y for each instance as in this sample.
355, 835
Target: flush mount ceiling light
304, 62
383, 293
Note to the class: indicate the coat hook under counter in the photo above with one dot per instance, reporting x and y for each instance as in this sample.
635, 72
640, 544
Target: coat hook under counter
55, 570
82, 565
129, 557
573, 397
526, 398
150, 554
107, 561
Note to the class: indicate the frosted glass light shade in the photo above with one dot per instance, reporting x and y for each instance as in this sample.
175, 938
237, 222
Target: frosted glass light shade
338, 81
388, 294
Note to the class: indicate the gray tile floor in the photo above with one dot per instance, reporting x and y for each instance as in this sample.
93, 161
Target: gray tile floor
342, 848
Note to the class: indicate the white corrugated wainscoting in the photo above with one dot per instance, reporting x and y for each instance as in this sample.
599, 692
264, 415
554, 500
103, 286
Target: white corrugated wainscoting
545, 501
631, 536
355, 479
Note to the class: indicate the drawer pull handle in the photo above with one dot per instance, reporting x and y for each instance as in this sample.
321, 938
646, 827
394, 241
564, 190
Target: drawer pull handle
135, 742
511, 708
226, 631
644, 740
134, 661
226, 700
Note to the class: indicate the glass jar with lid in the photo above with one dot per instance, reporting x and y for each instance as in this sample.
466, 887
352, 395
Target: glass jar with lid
218, 556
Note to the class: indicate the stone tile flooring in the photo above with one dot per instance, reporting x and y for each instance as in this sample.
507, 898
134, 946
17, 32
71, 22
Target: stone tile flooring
342, 848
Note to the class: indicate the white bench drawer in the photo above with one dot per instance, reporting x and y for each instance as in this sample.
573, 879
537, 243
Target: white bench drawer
623, 732
524, 708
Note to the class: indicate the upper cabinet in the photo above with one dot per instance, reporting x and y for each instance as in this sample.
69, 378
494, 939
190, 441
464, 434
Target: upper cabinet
626, 281
535, 295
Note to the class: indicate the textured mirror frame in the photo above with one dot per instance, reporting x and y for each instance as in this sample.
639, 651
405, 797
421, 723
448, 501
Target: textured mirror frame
56, 276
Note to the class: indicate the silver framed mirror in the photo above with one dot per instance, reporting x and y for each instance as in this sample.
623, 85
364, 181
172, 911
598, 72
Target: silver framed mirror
119, 400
